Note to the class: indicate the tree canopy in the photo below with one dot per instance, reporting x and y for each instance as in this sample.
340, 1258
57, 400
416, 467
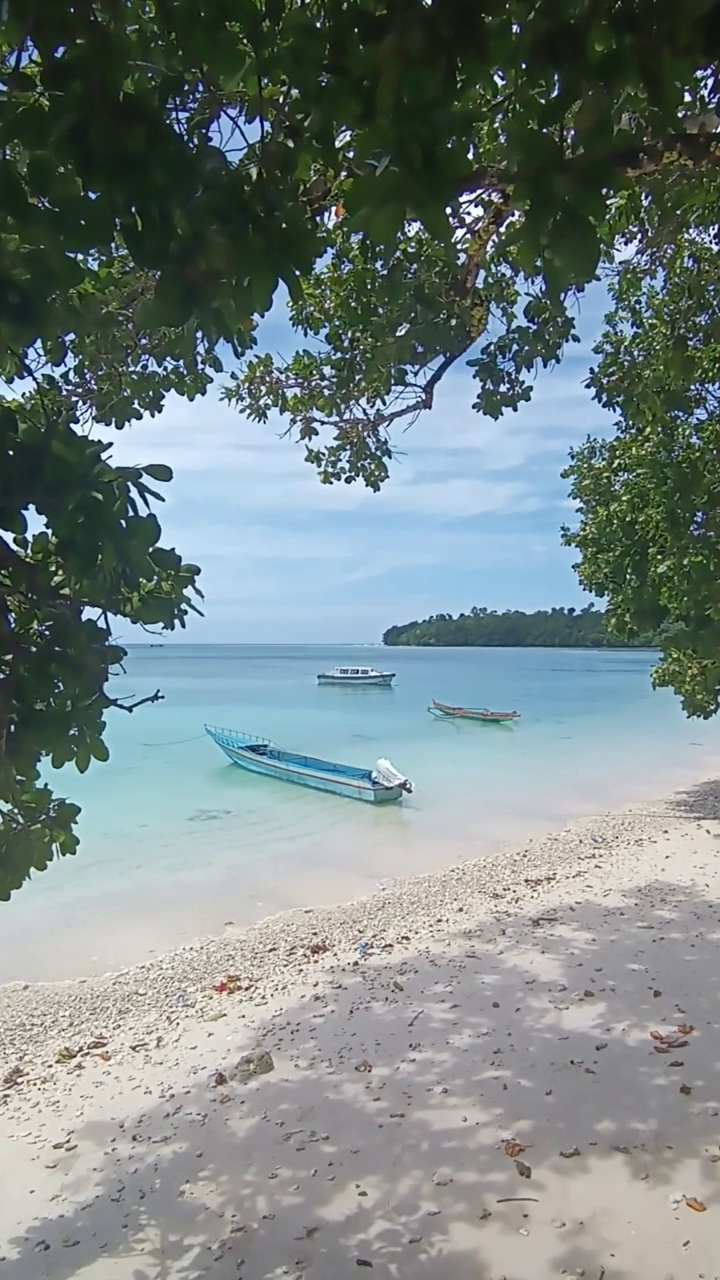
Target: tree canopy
431, 182
80, 548
649, 498
212, 140
481, 627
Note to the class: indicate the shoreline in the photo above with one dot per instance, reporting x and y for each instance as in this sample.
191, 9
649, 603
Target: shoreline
516, 1075
95, 915
381, 918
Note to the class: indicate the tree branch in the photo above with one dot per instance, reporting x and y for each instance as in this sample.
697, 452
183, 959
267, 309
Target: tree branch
645, 158
121, 704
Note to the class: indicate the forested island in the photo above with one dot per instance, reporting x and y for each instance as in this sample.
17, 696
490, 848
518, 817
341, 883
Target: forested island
547, 628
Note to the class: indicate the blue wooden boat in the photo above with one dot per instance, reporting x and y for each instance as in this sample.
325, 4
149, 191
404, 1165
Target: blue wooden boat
379, 785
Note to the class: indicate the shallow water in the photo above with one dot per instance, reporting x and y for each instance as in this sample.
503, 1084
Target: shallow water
177, 842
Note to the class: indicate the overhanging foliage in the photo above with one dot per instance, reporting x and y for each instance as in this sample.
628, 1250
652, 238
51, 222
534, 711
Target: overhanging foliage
431, 181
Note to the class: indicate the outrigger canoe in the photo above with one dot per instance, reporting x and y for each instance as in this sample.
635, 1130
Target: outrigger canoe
445, 712
380, 785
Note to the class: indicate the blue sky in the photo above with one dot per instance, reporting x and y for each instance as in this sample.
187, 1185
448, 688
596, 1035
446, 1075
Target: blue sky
469, 516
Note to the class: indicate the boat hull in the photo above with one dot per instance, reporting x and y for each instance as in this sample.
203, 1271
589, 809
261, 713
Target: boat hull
383, 681
304, 771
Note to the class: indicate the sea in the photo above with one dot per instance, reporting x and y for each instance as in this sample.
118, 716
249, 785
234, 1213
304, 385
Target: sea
177, 843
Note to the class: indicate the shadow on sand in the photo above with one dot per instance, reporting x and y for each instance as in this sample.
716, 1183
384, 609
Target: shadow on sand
535, 1028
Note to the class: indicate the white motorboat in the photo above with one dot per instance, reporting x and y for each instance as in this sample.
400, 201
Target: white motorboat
357, 676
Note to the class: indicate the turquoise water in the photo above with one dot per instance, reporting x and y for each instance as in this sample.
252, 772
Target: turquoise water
176, 841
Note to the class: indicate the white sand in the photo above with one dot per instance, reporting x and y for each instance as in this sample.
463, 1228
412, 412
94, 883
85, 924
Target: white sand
506, 1000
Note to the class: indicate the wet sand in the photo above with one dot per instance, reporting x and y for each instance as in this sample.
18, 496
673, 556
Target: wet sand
508, 1069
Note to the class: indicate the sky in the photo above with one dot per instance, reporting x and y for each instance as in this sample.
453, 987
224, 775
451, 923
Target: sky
469, 516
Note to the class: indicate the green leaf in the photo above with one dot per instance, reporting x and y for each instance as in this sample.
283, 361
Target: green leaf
574, 246
99, 749
158, 471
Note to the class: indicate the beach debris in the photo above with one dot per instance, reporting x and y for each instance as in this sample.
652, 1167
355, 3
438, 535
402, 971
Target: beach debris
98, 1042
588, 994
483, 1215
414, 1239
233, 982
568, 1155
364, 1066
258, 1062
215, 1017
42, 1246
657, 994
398, 986
67, 1054
308, 1232
181, 998
441, 1180
665, 1042
513, 1148
685, 1090
685, 1029
363, 949
14, 1076
414, 1018
518, 1200
362, 1262
558, 1224
317, 948
523, 1169
692, 1202
219, 1079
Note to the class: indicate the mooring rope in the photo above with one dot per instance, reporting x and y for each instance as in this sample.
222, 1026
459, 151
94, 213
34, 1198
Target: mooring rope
178, 743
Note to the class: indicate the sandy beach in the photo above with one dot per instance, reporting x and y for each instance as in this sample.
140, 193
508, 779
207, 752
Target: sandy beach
508, 1069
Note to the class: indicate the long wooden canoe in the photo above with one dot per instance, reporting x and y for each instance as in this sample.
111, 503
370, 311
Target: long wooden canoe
445, 712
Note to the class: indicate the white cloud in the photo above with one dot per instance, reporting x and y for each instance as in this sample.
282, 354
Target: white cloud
469, 505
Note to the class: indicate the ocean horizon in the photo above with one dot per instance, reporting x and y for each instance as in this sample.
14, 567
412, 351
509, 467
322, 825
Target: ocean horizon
177, 843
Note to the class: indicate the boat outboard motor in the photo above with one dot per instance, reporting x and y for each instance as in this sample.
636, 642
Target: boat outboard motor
386, 773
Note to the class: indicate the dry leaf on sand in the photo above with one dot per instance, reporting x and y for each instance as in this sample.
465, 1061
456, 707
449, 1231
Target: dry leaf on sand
513, 1148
